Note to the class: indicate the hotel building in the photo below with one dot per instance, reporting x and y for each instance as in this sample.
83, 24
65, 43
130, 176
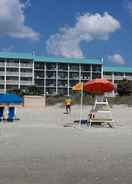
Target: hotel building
53, 75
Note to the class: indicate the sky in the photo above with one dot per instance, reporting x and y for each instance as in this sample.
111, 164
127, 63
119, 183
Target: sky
69, 28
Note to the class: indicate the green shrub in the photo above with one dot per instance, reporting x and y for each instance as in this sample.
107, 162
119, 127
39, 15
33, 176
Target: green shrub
124, 87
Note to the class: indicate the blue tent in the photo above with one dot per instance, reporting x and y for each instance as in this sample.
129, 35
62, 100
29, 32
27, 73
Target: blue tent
10, 98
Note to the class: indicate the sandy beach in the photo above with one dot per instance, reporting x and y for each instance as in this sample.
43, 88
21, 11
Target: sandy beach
38, 149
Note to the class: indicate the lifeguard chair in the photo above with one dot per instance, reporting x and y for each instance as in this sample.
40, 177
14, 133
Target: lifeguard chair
101, 113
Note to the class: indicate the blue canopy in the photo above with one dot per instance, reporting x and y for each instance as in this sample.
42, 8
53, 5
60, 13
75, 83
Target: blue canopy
10, 98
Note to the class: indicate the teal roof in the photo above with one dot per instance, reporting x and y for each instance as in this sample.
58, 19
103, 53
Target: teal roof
13, 55
67, 60
118, 69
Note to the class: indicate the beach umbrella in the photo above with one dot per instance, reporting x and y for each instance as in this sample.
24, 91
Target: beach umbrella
98, 86
79, 88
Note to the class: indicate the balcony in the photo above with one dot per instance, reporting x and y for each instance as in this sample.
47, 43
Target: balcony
128, 77
74, 78
62, 70
51, 86
2, 73
12, 73
12, 82
118, 77
12, 65
2, 82
50, 69
2, 65
24, 74
109, 77
62, 86
26, 65
62, 78
26, 83
74, 70
50, 77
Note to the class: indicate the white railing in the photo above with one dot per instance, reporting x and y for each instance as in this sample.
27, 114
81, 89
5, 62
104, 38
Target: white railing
2, 73
1, 81
15, 65
128, 77
118, 77
26, 83
24, 74
12, 73
26, 65
107, 76
2, 64
12, 82
74, 78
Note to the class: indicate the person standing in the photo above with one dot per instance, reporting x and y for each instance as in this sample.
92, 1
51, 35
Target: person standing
68, 103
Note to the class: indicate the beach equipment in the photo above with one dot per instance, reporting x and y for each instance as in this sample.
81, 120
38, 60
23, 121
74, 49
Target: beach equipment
98, 86
79, 88
11, 113
101, 111
1, 112
10, 98
8, 102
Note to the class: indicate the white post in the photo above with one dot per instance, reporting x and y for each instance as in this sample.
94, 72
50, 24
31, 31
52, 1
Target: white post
68, 78
81, 108
79, 73
91, 70
102, 69
44, 78
33, 68
113, 81
33, 73
19, 75
5, 66
56, 78
124, 76
45, 84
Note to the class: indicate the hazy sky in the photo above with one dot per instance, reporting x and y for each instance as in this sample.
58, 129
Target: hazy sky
68, 28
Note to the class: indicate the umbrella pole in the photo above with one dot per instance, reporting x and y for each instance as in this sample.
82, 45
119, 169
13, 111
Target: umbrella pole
81, 106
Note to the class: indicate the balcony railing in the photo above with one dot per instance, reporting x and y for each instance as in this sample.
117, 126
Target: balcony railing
12, 82
62, 78
52, 77
118, 77
107, 76
2, 64
12, 65
26, 83
51, 69
128, 77
74, 78
25, 74
26, 65
2, 82
12, 73
51, 85
2, 73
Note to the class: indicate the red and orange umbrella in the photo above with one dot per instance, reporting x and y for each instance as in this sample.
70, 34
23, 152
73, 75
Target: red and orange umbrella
98, 86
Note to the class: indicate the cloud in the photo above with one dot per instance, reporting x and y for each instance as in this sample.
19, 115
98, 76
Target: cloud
117, 59
128, 6
8, 49
12, 20
88, 27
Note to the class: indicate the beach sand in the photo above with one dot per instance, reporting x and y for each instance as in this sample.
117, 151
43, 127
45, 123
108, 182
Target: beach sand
38, 149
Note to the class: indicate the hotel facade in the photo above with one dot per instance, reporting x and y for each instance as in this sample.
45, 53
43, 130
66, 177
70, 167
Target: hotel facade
53, 76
